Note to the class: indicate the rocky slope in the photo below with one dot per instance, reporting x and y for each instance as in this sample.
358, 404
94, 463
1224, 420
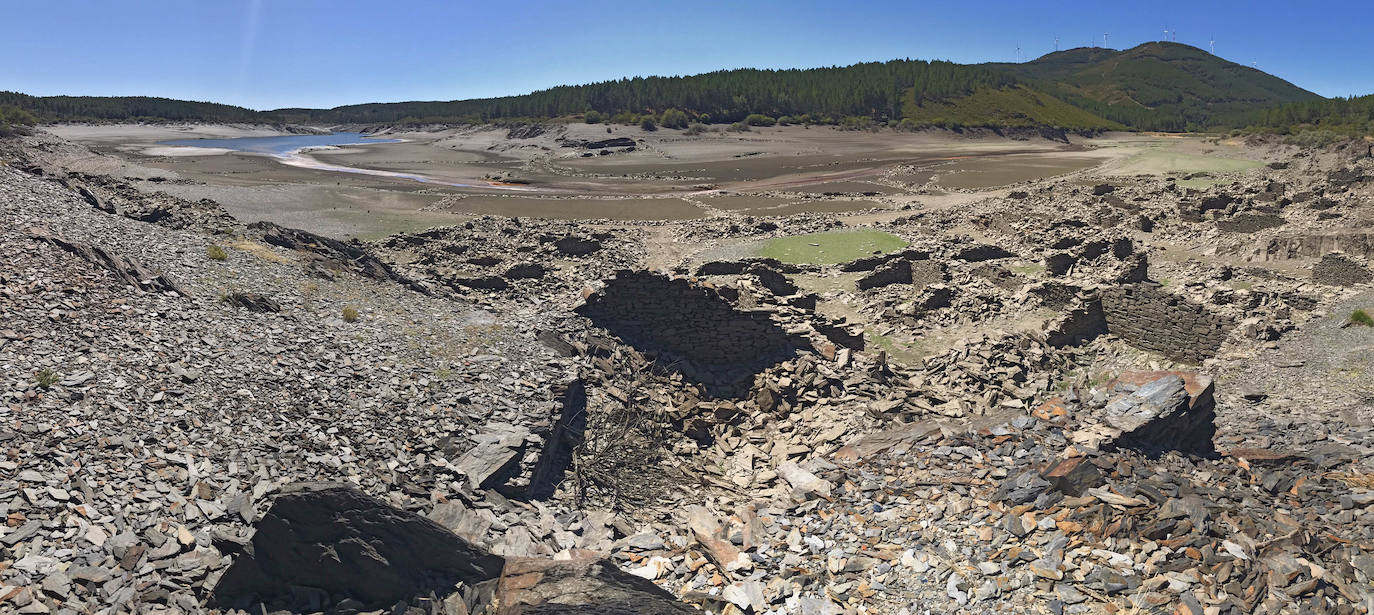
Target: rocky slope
189, 399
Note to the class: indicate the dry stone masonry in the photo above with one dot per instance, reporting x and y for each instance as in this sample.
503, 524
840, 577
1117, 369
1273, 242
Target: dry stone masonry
690, 328
1149, 318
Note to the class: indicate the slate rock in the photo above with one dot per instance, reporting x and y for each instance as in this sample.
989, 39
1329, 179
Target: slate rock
343, 542
580, 586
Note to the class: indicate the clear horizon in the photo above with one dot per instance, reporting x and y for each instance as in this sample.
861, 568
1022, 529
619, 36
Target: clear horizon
265, 54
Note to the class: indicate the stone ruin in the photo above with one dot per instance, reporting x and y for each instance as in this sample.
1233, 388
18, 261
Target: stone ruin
690, 328
1145, 317
1313, 245
1338, 270
1149, 318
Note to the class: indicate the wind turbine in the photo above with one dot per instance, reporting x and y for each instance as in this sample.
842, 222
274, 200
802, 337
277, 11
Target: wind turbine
1104, 39
1213, 44
1056, 43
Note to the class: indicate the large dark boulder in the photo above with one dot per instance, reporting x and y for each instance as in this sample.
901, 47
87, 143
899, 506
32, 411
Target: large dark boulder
324, 544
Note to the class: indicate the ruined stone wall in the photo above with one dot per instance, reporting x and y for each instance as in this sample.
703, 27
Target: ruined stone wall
1354, 243
1149, 318
690, 328
1337, 270
1082, 323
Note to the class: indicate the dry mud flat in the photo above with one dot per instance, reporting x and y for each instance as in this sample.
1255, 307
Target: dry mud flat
795, 164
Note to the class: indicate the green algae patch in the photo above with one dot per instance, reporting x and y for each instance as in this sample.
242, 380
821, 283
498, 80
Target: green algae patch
831, 247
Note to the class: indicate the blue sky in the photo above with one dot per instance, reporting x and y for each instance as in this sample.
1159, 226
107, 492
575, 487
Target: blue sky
309, 53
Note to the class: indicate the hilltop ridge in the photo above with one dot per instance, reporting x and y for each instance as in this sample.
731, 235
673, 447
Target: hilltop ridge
1153, 86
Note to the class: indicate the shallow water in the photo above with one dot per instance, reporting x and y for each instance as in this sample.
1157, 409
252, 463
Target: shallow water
287, 149
281, 146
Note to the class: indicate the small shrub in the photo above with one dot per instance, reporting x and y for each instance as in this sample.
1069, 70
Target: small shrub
674, 118
216, 253
592, 117
738, 127
46, 377
759, 119
350, 314
1362, 318
694, 129
648, 124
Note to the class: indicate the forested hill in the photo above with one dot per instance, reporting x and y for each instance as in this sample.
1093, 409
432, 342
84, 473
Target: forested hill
872, 90
1156, 86
124, 108
1339, 116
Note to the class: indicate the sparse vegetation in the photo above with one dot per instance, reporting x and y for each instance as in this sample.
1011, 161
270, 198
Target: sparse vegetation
46, 378
1361, 318
15, 121
350, 314
758, 119
216, 253
739, 127
259, 250
674, 118
694, 130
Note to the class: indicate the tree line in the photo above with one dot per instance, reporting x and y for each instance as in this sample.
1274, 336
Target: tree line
1191, 91
873, 90
1344, 116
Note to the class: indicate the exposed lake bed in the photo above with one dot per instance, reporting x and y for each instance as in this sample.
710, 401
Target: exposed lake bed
349, 183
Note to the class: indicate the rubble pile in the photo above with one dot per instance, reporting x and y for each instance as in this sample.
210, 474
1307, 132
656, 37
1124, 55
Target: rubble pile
1020, 516
754, 226
510, 257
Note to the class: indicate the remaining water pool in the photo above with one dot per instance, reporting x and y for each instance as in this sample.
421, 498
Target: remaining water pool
281, 146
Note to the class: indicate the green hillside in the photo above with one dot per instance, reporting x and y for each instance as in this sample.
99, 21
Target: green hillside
1013, 106
1156, 86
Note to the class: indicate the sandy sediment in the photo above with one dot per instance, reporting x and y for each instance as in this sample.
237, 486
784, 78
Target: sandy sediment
442, 176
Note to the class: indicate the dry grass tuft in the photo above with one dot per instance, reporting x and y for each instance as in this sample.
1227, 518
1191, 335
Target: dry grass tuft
261, 251
1353, 480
